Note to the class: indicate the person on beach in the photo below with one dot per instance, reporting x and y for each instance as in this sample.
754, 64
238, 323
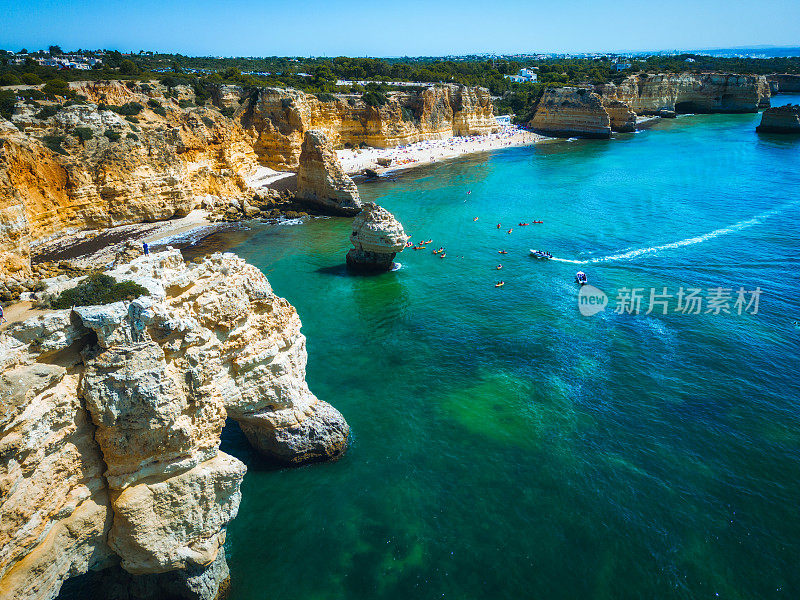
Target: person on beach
146, 249
2, 316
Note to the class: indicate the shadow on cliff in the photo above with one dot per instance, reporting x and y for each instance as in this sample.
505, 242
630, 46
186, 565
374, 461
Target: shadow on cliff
234, 442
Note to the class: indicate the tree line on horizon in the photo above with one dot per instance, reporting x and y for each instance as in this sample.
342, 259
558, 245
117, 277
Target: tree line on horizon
320, 76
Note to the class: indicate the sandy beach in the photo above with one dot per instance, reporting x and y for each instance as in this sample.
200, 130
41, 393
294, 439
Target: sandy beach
431, 151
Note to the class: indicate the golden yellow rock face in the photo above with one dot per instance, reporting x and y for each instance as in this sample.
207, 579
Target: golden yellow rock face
321, 181
568, 112
155, 170
622, 118
690, 93
110, 423
54, 508
278, 119
53, 176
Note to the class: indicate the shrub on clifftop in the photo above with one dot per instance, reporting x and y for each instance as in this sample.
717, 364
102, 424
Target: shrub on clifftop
56, 87
156, 107
99, 288
83, 133
7, 102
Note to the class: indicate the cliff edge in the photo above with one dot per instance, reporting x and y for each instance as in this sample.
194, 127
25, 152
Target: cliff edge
111, 418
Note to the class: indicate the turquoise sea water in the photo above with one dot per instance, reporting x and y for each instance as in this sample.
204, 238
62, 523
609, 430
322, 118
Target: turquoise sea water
503, 445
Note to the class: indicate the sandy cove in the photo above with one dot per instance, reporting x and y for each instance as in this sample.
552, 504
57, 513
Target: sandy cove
431, 151
98, 247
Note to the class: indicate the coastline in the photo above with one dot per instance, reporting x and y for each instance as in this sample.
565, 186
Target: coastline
418, 154
95, 248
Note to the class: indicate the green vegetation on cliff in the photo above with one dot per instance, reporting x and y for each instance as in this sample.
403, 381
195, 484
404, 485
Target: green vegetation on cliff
99, 288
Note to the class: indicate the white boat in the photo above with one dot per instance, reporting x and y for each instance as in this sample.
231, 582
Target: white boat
580, 277
541, 254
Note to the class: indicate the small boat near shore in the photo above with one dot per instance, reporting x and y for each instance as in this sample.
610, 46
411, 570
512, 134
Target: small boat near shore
541, 254
580, 278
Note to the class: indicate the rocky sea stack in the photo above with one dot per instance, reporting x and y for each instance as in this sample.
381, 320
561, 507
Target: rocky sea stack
321, 181
780, 119
377, 238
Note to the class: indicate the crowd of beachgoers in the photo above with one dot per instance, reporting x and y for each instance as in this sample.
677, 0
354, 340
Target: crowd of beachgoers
431, 151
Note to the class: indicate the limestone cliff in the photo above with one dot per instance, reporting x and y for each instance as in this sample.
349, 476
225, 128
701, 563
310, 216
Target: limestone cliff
571, 112
278, 119
91, 168
649, 94
110, 426
565, 112
88, 166
621, 117
377, 238
321, 180
785, 83
780, 119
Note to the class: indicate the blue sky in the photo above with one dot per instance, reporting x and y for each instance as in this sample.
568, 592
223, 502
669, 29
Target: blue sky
412, 27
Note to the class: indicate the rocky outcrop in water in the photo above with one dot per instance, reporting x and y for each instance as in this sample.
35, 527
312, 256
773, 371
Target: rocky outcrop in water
321, 181
780, 119
581, 112
649, 94
571, 112
377, 237
110, 426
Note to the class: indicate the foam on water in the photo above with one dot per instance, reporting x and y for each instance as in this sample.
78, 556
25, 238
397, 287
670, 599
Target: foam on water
699, 239
290, 222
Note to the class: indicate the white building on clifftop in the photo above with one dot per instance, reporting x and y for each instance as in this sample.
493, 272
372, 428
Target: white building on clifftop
524, 76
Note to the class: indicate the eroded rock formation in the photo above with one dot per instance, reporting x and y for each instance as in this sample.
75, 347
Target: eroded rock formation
321, 181
110, 426
77, 177
785, 83
279, 118
377, 237
582, 112
88, 167
780, 119
571, 112
649, 94
622, 118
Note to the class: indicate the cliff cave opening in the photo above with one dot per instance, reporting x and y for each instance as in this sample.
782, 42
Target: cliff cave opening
234, 442
689, 107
